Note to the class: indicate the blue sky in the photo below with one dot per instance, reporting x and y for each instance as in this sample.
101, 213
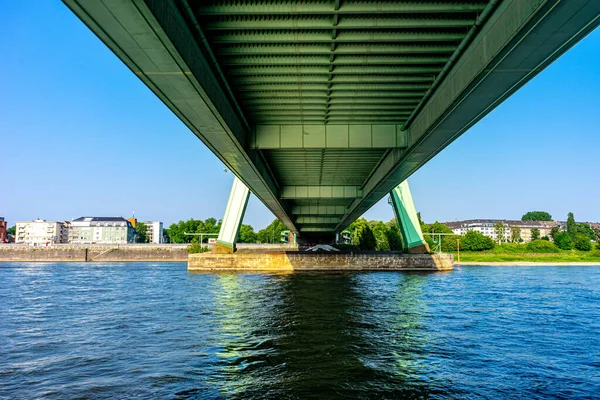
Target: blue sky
81, 135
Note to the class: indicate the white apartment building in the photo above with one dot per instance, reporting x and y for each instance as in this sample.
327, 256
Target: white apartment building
41, 233
154, 232
486, 227
101, 230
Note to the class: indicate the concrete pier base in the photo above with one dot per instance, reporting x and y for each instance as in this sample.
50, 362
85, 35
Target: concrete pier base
297, 261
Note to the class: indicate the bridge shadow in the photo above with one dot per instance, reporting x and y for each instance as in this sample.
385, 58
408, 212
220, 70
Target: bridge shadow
308, 335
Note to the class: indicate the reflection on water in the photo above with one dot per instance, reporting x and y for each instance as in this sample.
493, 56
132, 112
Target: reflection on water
143, 330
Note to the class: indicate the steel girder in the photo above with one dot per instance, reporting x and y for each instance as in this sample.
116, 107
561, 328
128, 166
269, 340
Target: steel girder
429, 69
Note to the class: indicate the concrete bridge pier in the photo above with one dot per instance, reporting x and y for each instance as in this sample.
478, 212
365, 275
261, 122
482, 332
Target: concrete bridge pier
232, 220
408, 220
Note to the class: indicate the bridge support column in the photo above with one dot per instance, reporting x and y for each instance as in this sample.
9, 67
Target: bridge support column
408, 221
232, 220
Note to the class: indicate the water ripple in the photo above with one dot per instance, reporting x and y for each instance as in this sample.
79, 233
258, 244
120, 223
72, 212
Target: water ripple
148, 330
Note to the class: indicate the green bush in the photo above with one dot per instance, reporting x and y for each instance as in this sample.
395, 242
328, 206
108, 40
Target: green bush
542, 246
563, 241
450, 243
366, 238
476, 241
582, 242
545, 238
509, 248
196, 248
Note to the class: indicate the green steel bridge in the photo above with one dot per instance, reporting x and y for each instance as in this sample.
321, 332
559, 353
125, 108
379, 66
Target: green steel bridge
323, 107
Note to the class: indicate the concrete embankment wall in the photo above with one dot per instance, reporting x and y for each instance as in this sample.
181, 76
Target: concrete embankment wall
296, 261
92, 254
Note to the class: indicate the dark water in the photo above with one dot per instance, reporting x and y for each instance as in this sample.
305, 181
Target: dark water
155, 331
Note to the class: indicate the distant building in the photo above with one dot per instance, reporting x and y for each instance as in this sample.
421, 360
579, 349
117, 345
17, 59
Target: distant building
41, 232
3, 237
154, 232
101, 230
486, 227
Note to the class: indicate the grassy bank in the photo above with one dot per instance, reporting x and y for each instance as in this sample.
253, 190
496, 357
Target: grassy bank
502, 255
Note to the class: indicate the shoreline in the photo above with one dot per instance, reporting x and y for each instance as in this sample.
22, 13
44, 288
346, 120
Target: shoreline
528, 263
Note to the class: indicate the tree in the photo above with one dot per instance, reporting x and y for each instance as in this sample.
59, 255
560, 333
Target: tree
394, 236
12, 230
563, 241
247, 234
554, 231
586, 230
515, 234
380, 231
476, 241
272, 233
366, 238
535, 234
500, 231
140, 232
582, 242
536, 216
571, 225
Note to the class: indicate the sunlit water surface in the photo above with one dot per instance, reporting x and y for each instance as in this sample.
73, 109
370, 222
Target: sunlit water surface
147, 330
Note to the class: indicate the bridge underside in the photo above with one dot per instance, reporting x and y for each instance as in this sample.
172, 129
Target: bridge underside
322, 107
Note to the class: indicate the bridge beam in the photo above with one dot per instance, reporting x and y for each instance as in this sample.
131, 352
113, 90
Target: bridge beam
320, 192
332, 211
408, 220
375, 136
516, 42
232, 220
306, 220
155, 41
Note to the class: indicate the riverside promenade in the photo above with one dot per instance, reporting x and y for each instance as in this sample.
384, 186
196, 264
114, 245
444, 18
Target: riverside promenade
109, 252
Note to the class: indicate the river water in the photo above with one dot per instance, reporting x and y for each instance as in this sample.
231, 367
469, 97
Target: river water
147, 330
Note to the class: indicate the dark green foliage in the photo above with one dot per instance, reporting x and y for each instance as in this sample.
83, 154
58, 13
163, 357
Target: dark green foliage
582, 242
563, 241
12, 230
545, 238
586, 229
554, 231
177, 231
272, 233
364, 235
347, 247
476, 241
571, 225
541, 246
450, 243
536, 216
196, 248
596, 234
394, 237
380, 231
140, 232
247, 234
535, 234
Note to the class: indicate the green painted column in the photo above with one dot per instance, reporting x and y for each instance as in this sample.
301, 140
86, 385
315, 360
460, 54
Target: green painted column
232, 220
408, 221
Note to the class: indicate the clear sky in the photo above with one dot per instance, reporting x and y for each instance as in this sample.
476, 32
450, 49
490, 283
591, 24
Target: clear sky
81, 135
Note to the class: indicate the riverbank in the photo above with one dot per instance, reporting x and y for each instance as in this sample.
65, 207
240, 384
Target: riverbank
112, 253
528, 264
564, 257
93, 253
